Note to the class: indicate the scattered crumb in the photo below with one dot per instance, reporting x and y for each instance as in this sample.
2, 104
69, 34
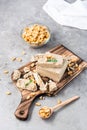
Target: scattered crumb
38, 104
59, 101
28, 97
23, 53
8, 93
41, 98
13, 58
19, 59
6, 71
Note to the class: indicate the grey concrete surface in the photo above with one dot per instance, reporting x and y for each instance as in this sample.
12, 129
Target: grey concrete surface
14, 16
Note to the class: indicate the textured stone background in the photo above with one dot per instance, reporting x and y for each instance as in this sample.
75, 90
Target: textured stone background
14, 16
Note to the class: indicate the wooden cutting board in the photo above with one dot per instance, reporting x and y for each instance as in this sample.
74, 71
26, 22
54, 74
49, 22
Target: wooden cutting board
22, 112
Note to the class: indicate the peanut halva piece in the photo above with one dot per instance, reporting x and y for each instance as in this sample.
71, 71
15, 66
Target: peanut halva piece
16, 74
39, 81
52, 86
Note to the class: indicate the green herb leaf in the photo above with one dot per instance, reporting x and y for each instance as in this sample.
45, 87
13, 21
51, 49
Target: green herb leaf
31, 80
54, 60
51, 60
28, 83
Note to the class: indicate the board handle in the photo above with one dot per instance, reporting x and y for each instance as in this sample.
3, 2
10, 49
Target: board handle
23, 109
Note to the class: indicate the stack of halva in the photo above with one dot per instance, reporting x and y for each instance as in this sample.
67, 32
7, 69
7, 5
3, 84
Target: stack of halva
51, 65
48, 65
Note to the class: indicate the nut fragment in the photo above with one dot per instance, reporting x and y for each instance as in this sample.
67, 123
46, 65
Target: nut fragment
6, 71
59, 101
41, 98
44, 112
38, 104
19, 59
70, 73
13, 58
23, 53
8, 93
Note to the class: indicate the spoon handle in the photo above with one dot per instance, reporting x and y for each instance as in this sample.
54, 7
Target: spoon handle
65, 103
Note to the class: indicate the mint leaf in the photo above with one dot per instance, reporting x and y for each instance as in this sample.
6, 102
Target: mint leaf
54, 60
28, 83
51, 60
31, 80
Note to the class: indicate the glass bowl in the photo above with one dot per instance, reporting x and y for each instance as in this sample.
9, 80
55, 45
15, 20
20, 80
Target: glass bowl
37, 45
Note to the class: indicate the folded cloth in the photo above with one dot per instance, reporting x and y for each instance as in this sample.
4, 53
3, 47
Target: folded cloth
64, 13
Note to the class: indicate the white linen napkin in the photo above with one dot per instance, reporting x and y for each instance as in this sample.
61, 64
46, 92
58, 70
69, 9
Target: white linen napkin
64, 13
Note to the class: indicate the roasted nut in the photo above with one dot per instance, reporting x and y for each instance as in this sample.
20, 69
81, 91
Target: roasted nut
70, 72
8, 93
13, 58
6, 71
23, 53
41, 98
38, 104
59, 101
19, 59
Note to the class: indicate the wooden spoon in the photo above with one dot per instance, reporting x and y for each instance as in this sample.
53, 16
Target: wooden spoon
46, 112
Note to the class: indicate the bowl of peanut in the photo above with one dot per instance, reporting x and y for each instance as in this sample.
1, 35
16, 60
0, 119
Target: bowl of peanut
36, 35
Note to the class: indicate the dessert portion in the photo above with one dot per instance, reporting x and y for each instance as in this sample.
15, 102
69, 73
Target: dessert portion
53, 73
26, 84
43, 73
49, 60
51, 65
40, 83
16, 74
